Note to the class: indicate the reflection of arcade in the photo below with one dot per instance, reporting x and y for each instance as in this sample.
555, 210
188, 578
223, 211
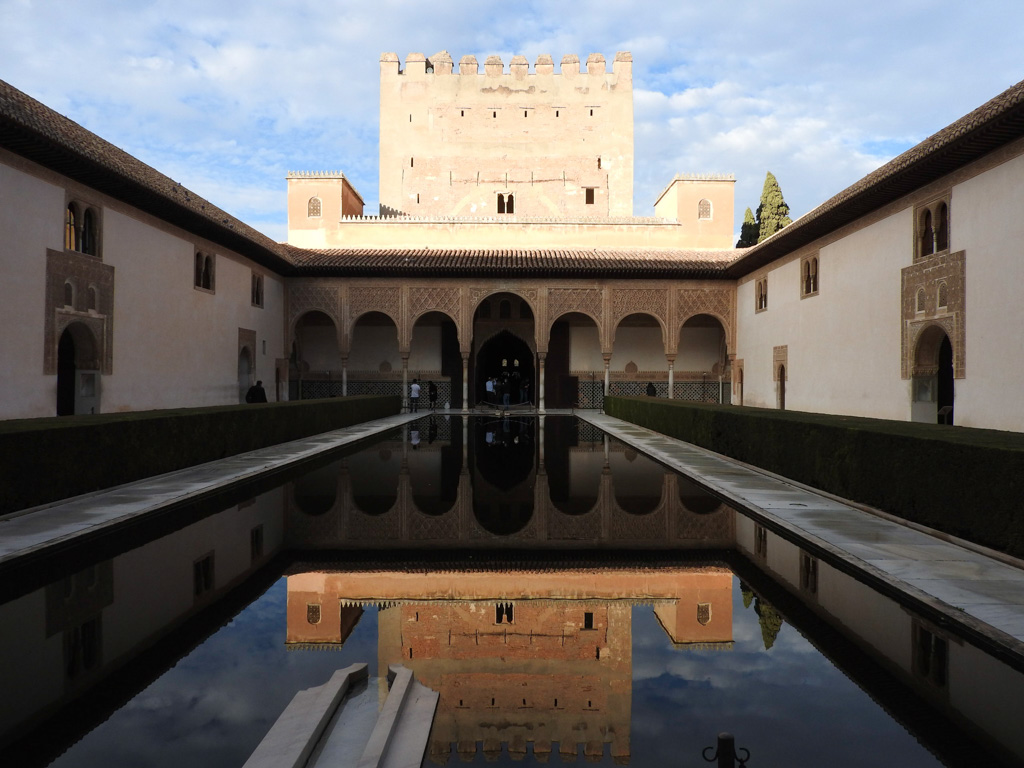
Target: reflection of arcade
541, 658
546, 482
504, 473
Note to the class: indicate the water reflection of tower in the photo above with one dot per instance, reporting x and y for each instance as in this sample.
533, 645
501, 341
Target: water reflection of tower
554, 673
540, 658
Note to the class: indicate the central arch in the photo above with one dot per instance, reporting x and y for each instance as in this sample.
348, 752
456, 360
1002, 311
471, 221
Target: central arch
507, 358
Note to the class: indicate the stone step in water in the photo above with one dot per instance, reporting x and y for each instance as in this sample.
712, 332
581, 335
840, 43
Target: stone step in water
336, 725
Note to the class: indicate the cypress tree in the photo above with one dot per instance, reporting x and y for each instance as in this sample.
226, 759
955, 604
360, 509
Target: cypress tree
749, 231
773, 212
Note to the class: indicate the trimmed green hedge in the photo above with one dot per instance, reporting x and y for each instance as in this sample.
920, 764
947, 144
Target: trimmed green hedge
966, 482
55, 458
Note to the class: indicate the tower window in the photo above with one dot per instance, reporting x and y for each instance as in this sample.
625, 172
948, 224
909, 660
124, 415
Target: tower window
590, 195
412, 161
704, 209
599, 163
314, 207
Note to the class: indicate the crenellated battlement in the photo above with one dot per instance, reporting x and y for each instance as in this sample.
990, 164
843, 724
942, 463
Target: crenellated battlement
315, 175
416, 64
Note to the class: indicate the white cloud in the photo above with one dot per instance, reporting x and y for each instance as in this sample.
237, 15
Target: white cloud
819, 94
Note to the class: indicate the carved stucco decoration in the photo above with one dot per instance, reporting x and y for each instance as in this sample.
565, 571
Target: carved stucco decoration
434, 299
375, 299
303, 298
628, 301
927, 275
83, 272
589, 301
717, 302
478, 294
780, 359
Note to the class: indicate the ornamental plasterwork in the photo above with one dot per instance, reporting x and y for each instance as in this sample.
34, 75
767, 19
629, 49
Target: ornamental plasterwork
945, 271
716, 302
85, 273
375, 299
305, 298
628, 301
586, 300
476, 295
780, 357
434, 299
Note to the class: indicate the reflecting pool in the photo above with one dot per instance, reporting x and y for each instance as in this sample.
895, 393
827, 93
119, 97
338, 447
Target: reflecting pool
570, 599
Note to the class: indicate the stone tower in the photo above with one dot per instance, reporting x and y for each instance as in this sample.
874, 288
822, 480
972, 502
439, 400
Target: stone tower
497, 143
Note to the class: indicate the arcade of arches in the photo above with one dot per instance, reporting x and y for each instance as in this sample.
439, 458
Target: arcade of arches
552, 344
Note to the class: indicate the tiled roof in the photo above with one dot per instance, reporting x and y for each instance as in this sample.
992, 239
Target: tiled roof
520, 262
992, 125
33, 130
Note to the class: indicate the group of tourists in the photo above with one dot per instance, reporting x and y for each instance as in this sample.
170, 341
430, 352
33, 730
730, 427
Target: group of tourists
505, 387
414, 395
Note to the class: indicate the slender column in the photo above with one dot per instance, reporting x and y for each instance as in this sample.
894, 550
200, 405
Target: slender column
671, 375
465, 384
344, 377
405, 383
540, 444
607, 364
540, 382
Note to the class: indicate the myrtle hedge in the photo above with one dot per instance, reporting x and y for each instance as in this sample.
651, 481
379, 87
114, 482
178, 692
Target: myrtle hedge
45, 460
965, 482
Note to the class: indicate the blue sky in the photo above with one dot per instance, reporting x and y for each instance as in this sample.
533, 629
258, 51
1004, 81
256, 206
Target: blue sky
227, 98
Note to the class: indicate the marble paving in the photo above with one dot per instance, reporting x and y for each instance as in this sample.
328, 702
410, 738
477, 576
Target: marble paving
23, 533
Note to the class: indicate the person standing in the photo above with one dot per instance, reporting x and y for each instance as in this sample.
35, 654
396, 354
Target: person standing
414, 395
489, 387
432, 394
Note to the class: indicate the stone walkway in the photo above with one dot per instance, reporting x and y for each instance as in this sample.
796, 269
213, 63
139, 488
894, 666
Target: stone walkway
23, 533
979, 592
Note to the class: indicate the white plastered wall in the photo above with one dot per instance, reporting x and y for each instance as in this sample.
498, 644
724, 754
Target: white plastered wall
843, 345
175, 345
27, 235
986, 223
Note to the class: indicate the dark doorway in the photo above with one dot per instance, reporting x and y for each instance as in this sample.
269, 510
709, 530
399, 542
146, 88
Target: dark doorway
505, 356
945, 382
66, 374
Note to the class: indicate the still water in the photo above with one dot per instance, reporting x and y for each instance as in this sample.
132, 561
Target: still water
570, 600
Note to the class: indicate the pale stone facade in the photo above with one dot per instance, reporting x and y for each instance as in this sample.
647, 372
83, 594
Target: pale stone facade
465, 143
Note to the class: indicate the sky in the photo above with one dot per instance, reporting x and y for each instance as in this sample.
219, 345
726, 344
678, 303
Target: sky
227, 98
